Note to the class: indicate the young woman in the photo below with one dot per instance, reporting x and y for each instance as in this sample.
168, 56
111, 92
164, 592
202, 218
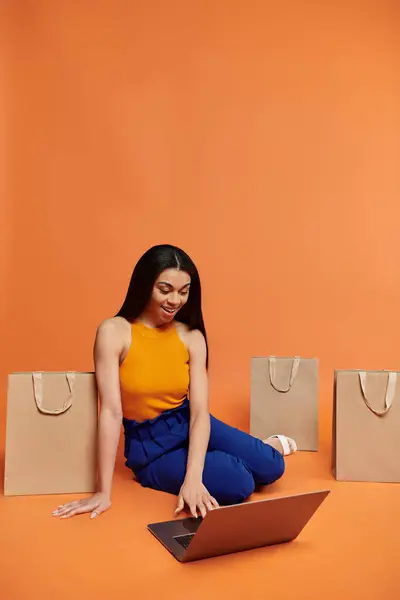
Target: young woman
151, 364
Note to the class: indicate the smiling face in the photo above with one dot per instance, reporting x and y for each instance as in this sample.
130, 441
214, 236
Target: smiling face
170, 293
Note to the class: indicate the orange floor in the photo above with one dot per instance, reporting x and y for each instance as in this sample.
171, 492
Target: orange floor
349, 551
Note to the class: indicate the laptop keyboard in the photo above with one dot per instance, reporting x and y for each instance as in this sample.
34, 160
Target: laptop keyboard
184, 540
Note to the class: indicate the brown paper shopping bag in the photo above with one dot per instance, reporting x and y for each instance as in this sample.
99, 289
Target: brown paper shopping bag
366, 426
51, 432
284, 399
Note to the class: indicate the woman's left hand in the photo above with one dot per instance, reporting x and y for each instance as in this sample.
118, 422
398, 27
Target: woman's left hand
196, 496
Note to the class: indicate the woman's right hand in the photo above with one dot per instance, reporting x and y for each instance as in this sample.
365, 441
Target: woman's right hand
96, 504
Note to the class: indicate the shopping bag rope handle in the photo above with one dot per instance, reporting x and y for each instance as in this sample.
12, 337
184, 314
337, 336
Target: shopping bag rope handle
38, 393
389, 395
293, 373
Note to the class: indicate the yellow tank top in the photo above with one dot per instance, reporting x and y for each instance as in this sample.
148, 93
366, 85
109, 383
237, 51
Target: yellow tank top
154, 376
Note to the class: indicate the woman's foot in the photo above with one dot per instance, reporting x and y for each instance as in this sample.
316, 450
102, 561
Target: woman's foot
284, 445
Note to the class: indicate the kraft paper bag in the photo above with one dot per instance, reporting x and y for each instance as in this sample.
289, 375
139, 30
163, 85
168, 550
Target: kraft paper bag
284, 399
366, 426
51, 433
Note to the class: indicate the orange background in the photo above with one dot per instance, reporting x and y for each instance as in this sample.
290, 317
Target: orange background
262, 137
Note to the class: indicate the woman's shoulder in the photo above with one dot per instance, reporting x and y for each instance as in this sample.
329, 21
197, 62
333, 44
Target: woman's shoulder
193, 338
113, 331
114, 324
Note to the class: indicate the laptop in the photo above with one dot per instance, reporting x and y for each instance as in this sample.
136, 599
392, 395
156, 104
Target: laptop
238, 527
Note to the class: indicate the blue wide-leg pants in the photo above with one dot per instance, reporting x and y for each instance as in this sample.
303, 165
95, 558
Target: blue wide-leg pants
156, 451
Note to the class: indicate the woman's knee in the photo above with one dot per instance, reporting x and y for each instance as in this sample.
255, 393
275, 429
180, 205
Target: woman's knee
228, 479
242, 487
273, 469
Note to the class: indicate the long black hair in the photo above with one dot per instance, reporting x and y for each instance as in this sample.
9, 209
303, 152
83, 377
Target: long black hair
153, 262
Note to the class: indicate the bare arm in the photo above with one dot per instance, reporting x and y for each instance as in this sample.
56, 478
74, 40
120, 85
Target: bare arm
107, 350
199, 407
193, 492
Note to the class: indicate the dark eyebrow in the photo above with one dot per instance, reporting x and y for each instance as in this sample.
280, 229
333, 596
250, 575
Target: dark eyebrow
169, 285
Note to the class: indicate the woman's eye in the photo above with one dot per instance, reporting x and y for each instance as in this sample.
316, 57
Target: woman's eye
165, 292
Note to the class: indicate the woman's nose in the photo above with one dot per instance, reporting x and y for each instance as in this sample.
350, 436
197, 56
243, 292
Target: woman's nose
174, 298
